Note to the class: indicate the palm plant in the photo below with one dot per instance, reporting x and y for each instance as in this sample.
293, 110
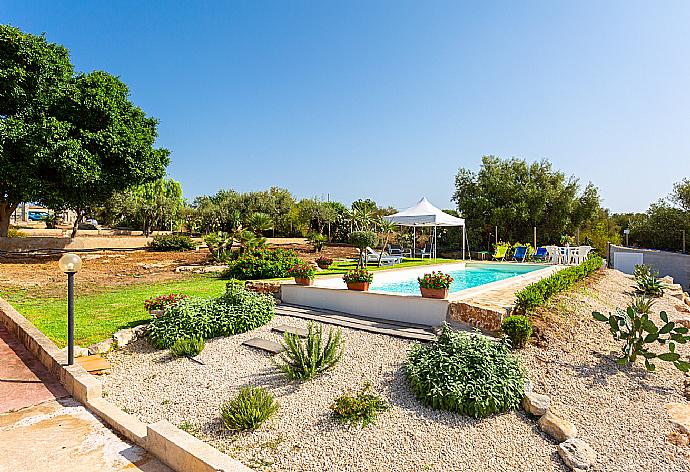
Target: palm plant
259, 222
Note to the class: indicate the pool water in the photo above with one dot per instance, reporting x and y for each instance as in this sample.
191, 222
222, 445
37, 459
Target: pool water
462, 279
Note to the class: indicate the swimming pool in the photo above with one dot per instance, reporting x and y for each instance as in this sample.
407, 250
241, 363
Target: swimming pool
469, 277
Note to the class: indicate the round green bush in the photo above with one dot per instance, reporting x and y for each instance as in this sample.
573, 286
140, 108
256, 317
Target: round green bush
363, 239
518, 328
237, 311
172, 242
465, 373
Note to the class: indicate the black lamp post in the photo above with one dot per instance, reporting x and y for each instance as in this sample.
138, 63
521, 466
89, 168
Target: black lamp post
70, 265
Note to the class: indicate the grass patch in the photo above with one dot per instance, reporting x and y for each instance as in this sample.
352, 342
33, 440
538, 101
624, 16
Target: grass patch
99, 315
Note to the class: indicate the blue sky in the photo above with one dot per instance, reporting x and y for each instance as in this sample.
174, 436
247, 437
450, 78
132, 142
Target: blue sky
388, 99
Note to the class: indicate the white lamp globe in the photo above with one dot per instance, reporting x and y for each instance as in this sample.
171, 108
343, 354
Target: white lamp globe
70, 263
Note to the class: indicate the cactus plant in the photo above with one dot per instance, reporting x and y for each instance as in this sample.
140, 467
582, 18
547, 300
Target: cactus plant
639, 331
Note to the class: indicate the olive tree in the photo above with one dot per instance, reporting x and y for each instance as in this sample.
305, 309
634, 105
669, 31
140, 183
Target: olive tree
67, 140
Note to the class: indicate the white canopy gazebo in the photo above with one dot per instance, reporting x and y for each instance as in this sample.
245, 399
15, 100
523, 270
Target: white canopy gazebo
425, 214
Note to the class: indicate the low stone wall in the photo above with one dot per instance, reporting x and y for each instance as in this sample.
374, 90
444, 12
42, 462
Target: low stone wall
176, 448
485, 317
60, 243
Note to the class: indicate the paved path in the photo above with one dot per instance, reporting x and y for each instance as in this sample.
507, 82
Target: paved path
43, 428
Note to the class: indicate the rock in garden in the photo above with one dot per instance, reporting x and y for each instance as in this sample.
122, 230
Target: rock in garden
140, 331
685, 321
680, 416
536, 403
556, 427
123, 337
529, 387
577, 454
100, 348
78, 351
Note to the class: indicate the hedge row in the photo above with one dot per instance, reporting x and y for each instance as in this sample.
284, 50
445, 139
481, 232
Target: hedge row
539, 292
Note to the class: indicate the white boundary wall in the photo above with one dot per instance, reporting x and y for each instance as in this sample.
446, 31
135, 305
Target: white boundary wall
675, 264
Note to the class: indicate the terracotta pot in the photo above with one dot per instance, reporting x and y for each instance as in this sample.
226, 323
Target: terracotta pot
323, 265
156, 313
434, 292
359, 286
304, 281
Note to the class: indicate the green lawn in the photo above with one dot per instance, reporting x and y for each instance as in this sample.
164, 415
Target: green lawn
99, 315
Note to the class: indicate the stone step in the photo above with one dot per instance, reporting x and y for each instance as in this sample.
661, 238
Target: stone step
301, 332
94, 365
264, 345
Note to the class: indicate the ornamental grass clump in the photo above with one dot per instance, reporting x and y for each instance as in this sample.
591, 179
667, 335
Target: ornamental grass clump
249, 409
465, 373
435, 280
187, 347
518, 329
360, 408
305, 359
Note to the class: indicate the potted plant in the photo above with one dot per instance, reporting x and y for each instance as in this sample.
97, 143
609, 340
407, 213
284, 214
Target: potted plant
435, 285
324, 262
303, 273
358, 279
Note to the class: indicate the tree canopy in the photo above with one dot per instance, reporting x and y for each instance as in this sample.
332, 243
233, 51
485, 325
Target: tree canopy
516, 196
67, 140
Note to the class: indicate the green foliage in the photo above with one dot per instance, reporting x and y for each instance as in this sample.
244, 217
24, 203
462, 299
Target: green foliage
249, 409
358, 275
360, 408
236, 311
302, 270
317, 241
437, 280
219, 245
539, 292
642, 271
67, 140
13, 232
638, 331
518, 329
262, 264
259, 222
171, 243
465, 373
188, 347
363, 239
304, 359
650, 286
516, 196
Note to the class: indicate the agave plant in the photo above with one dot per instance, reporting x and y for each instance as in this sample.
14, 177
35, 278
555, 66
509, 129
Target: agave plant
651, 286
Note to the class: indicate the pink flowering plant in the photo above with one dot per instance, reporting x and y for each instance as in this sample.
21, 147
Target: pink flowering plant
161, 302
302, 270
324, 262
358, 275
437, 280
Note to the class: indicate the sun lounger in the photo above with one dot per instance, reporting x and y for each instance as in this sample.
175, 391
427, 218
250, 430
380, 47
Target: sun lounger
386, 259
520, 254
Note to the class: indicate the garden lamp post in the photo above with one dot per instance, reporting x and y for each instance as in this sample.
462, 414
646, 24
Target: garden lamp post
70, 265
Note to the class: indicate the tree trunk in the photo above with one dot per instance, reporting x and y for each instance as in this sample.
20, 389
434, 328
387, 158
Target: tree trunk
6, 210
77, 220
385, 243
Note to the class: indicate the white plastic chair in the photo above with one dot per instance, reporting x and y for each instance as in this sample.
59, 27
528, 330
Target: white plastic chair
582, 253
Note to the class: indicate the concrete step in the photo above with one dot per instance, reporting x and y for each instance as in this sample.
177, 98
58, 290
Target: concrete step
372, 325
264, 345
301, 332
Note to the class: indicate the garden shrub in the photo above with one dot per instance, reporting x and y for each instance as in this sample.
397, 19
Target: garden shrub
518, 329
539, 292
172, 242
262, 264
359, 408
236, 311
249, 409
304, 359
189, 347
317, 241
13, 232
465, 373
650, 286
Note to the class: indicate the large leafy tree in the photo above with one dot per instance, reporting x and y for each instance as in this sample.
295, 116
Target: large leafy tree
67, 140
516, 196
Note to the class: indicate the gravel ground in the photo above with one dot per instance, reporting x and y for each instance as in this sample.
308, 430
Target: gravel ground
620, 412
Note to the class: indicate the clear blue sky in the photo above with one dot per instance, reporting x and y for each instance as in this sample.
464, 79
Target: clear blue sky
388, 99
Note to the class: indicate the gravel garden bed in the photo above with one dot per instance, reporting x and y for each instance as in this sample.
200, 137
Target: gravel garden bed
618, 411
